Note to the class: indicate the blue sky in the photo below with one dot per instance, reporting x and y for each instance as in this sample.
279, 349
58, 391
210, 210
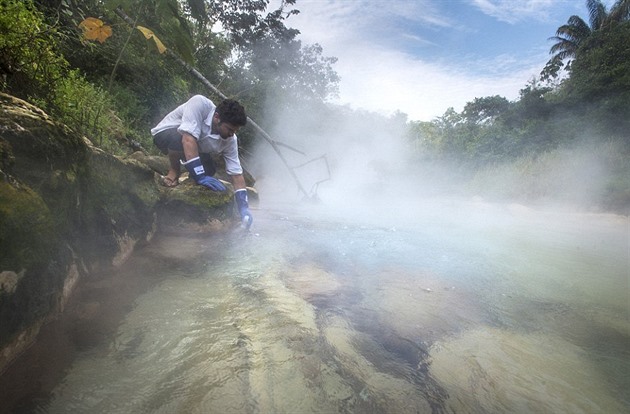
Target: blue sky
423, 56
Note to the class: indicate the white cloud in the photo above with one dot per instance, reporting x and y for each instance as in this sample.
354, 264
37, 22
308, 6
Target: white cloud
512, 11
376, 75
386, 81
321, 20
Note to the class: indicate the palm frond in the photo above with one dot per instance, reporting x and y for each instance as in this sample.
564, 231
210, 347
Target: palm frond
597, 13
579, 26
620, 11
575, 30
563, 47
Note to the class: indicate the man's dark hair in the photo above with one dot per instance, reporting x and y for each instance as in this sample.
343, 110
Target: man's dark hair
232, 112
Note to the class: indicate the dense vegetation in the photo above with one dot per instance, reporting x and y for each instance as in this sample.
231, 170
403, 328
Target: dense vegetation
114, 91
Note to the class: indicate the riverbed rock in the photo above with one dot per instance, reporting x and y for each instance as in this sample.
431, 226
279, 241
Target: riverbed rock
70, 210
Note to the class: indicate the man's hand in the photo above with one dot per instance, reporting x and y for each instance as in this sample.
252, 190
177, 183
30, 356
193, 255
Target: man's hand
211, 182
243, 208
198, 173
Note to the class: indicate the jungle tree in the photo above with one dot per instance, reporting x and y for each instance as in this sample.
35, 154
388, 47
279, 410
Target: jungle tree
570, 36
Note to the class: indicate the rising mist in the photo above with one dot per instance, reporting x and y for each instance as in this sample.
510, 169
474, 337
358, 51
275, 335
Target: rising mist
361, 165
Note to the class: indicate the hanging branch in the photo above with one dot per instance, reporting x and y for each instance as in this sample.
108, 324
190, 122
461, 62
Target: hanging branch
113, 74
275, 145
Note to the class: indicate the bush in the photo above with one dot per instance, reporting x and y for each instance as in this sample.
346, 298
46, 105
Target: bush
89, 110
30, 67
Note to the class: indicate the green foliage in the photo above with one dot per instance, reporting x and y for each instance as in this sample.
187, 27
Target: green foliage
246, 21
29, 63
89, 110
285, 73
258, 60
571, 37
485, 110
270, 63
165, 18
601, 78
602, 67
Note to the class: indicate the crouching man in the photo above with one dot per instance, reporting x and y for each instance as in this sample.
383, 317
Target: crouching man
195, 130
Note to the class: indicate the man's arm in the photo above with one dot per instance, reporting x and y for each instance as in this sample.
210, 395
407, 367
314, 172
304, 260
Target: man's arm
191, 150
238, 181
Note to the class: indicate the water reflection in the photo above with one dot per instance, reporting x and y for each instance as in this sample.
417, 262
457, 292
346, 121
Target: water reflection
518, 313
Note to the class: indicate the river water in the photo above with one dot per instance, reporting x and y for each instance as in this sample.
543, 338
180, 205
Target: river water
468, 307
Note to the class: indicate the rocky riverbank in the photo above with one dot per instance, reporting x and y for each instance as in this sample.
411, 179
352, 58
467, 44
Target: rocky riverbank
69, 210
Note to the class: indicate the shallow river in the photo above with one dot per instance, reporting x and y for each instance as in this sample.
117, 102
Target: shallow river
466, 308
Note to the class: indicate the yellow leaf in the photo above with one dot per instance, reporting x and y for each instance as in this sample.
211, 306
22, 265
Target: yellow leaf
148, 34
159, 44
104, 33
95, 29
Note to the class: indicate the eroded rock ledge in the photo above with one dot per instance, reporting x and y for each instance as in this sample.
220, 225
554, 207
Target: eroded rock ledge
68, 210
